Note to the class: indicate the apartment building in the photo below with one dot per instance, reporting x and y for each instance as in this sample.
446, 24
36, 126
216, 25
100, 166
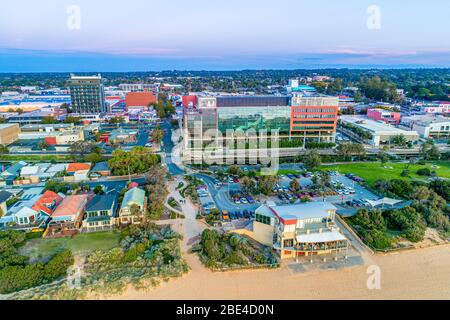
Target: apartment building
87, 94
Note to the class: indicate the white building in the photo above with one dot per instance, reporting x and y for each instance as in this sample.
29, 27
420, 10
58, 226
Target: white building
381, 132
428, 126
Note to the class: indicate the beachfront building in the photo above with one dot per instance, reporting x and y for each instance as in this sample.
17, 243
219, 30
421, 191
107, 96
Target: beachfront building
133, 207
100, 213
68, 216
305, 229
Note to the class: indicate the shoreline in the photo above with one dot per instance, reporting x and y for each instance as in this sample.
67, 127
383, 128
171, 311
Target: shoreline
413, 274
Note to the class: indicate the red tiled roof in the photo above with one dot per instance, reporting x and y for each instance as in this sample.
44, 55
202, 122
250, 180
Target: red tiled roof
48, 199
140, 99
73, 167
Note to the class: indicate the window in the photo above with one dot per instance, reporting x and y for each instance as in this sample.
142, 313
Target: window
263, 219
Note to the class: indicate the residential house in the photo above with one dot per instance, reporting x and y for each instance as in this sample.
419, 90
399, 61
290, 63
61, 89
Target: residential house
101, 213
68, 215
4, 197
77, 172
134, 197
48, 202
11, 173
21, 216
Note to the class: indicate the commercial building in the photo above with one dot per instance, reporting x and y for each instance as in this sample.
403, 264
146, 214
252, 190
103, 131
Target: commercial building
297, 118
428, 126
387, 116
87, 94
377, 132
136, 87
9, 132
305, 229
139, 100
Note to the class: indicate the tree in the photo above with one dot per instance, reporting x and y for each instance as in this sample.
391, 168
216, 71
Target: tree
93, 157
421, 194
312, 160
429, 151
80, 148
3, 149
116, 120
49, 120
43, 145
157, 135
384, 157
138, 160
347, 149
266, 184
248, 184
99, 190
399, 140
294, 185
234, 170
72, 119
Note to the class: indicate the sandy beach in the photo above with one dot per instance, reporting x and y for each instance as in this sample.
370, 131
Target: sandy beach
415, 274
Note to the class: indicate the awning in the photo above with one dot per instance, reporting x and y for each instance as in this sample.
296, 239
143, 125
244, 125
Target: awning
383, 201
329, 236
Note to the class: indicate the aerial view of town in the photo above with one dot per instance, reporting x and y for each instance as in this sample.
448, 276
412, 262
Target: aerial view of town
143, 158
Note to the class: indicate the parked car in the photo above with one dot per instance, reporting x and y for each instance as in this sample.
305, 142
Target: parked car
250, 199
244, 200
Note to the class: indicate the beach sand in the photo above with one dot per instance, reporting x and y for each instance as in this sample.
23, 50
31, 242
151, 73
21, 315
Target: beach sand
415, 274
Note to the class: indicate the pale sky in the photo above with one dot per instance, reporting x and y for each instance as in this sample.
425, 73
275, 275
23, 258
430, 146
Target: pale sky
223, 33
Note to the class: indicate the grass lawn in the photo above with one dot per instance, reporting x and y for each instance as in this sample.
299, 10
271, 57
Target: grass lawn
10, 157
42, 248
372, 171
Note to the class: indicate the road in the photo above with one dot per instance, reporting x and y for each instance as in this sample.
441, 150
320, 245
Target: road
167, 148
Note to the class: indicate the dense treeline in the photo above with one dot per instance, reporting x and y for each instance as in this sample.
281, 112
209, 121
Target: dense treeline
428, 208
18, 273
419, 83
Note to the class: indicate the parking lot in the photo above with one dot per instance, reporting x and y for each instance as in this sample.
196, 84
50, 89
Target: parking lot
346, 193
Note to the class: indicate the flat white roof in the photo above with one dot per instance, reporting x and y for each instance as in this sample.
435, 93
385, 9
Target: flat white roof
329, 236
299, 211
377, 127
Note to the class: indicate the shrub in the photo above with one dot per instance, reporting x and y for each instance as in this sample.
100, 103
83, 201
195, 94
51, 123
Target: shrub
424, 172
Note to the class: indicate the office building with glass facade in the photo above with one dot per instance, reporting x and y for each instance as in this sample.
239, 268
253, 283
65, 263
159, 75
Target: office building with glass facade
87, 94
295, 118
